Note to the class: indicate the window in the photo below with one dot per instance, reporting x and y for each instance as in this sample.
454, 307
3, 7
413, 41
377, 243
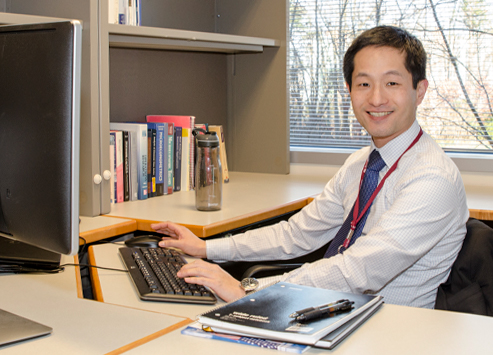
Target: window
458, 37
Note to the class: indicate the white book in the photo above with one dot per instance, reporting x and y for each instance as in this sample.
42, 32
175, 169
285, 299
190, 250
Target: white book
185, 159
138, 137
112, 167
113, 11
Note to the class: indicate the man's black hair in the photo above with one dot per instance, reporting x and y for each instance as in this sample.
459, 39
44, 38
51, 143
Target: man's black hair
389, 36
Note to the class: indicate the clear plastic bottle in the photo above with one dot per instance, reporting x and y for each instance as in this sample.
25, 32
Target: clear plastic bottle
208, 173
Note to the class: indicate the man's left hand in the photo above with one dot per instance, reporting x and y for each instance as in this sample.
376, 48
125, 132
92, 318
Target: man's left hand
213, 276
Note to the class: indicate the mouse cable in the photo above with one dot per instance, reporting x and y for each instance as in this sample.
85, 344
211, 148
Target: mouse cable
61, 267
19, 269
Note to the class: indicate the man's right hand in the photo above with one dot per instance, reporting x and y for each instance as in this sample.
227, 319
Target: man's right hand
180, 237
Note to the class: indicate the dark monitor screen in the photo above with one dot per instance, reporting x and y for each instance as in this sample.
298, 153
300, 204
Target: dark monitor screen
40, 68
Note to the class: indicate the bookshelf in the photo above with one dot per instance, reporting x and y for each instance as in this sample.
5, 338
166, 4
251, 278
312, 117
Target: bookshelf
223, 61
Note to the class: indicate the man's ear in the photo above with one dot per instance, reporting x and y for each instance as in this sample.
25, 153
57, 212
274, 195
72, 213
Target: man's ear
348, 88
421, 91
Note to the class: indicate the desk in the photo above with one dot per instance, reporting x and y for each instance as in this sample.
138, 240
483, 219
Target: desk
79, 326
253, 197
247, 198
115, 287
392, 330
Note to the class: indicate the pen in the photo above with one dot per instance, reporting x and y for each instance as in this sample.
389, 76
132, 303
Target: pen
306, 310
328, 309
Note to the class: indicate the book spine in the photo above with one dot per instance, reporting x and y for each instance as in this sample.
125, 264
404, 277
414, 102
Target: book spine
142, 163
191, 177
149, 162
126, 167
154, 163
165, 159
133, 180
170, 157
178, 157
185, 162
160, 159
122, 12
112, 167
119, 166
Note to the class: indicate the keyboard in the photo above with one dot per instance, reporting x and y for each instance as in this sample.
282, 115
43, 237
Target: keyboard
153, 272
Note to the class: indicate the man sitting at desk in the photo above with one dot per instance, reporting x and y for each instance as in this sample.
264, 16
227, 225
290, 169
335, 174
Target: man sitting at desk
404, 245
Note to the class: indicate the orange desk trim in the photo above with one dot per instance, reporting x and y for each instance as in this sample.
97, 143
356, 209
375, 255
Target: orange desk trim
150, 337
97, 292
107, 232
233, 223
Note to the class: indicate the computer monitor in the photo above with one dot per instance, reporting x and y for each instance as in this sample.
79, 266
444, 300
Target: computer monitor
40, 69
40, 66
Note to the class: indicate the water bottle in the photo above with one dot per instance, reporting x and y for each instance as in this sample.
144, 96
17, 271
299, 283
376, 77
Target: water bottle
208, 172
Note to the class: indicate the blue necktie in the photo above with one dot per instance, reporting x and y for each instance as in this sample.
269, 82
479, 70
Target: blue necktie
369, 184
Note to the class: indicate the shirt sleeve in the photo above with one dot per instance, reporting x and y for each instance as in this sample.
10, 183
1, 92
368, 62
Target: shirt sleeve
314, 226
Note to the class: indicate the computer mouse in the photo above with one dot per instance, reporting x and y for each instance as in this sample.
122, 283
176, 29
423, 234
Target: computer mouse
143, 241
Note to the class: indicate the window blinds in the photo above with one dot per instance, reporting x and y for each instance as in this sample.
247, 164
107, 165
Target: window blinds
458, 38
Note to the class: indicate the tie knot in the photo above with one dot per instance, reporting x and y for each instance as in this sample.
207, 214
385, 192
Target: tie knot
375, 162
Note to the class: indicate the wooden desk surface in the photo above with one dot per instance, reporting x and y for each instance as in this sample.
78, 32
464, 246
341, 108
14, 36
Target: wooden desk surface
247, 198
79, 326
392, 330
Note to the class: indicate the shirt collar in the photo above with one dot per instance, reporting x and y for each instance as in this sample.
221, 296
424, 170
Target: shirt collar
391, 151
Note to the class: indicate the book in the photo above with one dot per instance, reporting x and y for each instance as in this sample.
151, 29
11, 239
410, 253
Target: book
184, 122
126, 166
330, 341
171, 148
185, 161
112, 167
151, 160
122, 12
161, 128
118, 165
195, 329
266, 313
178, 156
138, 146
133, 183
222, 150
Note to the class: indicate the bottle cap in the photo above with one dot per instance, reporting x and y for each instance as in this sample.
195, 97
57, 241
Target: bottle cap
209, 139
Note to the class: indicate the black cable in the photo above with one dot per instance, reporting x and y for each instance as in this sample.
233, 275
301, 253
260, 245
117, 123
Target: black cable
93, 266
19, 269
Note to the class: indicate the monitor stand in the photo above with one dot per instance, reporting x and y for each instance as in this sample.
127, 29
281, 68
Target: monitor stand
18, 256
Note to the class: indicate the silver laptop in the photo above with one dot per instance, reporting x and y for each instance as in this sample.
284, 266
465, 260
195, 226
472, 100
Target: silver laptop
14, 328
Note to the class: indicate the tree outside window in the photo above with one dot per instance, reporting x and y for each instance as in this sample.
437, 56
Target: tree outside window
458, 37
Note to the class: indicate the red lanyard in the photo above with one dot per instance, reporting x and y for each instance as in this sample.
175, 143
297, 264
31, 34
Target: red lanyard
356, 217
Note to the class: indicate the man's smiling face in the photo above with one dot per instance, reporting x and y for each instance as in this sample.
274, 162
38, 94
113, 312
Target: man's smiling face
382, 94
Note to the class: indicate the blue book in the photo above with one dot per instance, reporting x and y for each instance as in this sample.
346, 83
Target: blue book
171, 148
196, 330
161, 128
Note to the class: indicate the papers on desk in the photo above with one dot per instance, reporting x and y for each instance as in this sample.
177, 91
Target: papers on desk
265, 314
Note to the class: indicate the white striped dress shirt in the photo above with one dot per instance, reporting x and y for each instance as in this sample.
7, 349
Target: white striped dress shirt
411, 238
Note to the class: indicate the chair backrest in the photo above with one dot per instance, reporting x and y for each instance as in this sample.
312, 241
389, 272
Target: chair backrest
469, 287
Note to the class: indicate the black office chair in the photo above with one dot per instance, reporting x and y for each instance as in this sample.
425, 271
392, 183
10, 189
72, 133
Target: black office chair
469, 287
242, 269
